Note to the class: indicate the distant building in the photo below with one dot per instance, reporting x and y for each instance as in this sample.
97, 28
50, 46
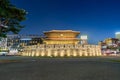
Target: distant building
12, 39
111, 41
83, 39
117, 35
101, 43
110, 46
3, 43
23, 40
61, 37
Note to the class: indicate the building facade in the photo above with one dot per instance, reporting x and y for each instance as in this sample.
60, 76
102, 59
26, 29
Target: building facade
23, 40
61, 37
111, 41
110, 46
3, 43
117, 35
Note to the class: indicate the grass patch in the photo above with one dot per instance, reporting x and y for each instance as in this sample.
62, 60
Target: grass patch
9, 61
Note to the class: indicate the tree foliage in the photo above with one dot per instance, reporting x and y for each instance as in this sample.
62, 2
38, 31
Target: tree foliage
10, 18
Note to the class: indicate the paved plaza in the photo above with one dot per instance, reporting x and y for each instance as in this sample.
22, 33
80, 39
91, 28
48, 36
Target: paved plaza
36, 68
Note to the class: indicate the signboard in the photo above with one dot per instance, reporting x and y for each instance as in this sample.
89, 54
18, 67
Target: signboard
25, 39
83, 37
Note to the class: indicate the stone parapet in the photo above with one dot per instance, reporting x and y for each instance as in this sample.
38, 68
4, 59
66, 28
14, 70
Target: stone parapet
62, 50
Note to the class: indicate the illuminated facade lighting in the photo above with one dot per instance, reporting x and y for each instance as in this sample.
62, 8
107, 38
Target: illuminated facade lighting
42, 54
55, 54
49, 54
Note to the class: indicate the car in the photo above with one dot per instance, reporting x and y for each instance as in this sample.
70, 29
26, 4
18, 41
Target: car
3, 53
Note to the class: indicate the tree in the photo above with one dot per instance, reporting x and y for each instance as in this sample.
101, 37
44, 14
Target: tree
10, 18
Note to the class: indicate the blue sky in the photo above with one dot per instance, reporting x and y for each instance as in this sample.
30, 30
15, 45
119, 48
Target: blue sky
99, 19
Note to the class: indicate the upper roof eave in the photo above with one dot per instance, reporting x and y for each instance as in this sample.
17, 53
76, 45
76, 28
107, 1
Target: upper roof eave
53, 31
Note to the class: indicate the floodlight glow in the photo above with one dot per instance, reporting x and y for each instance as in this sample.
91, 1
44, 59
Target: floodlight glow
42, 54
68, 54
117, 33
55, 54
48, 54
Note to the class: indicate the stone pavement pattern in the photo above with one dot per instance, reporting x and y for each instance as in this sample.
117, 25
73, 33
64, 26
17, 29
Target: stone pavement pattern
60, 69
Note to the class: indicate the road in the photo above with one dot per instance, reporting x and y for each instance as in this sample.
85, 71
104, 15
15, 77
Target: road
28, 68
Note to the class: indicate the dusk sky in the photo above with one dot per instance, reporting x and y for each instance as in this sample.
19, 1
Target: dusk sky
99, 19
